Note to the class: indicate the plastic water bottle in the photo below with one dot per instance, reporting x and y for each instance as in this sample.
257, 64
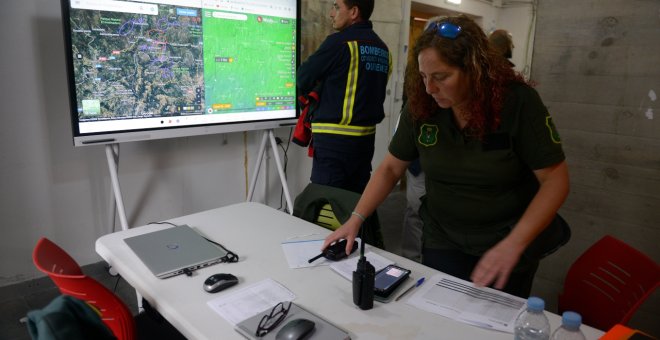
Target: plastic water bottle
532, 324
570, 327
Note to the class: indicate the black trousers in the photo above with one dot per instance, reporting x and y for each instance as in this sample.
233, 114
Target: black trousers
460, 265
341, 170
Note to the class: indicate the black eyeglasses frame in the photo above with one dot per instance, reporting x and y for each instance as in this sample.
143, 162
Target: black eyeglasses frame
277, 313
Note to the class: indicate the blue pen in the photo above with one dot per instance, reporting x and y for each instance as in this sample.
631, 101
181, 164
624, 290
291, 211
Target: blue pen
417, 284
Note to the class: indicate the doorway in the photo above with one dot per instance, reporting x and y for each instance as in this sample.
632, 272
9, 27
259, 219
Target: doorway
419, 15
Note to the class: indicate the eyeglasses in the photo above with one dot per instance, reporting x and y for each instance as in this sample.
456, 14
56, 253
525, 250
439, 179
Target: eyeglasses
272, 320
445, 29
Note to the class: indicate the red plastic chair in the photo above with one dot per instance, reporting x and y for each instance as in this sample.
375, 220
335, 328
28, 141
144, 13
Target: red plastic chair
608, 283
69, 278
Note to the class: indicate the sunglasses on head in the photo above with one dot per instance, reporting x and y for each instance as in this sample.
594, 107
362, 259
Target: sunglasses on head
445, 29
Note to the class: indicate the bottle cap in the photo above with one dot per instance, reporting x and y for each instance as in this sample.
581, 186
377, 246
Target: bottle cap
571, 320
535, 304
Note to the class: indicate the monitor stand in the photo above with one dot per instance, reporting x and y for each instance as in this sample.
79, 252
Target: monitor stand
112, 154
269, 135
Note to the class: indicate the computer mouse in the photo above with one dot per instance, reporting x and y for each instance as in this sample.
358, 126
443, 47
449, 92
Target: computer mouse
295, 329
218, 282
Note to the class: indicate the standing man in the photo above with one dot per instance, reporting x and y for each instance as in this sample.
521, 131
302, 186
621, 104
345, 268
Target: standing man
351, 67
502, 42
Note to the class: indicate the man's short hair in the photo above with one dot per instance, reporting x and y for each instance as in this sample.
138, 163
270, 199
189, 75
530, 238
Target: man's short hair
501, 41
366, 7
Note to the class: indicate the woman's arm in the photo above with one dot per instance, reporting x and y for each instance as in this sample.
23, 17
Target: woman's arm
498, 262
379, 187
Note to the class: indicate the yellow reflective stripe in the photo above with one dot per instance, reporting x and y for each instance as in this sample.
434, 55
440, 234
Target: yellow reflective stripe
339, 129
327, 218
351, 84
389, 65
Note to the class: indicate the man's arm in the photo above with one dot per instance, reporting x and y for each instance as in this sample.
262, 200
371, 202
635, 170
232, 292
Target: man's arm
317, 66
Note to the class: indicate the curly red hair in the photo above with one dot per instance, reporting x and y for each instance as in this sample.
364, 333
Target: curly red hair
489, 74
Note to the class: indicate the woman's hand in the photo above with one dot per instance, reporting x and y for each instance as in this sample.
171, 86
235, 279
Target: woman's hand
348, 231
380, 185
497, 264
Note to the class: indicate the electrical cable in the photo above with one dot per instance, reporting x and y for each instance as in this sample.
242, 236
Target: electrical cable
115, 149
114, 290
245, 162
526, 71
283, 204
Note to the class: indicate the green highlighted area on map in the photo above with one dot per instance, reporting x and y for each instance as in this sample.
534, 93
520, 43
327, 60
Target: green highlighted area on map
249, 62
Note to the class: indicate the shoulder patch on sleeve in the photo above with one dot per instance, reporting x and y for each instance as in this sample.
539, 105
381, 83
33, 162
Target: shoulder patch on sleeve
554, 135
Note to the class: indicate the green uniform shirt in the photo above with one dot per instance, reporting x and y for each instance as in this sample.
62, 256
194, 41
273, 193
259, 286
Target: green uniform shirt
477, 190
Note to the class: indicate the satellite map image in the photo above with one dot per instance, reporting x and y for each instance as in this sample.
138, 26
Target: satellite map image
135, 65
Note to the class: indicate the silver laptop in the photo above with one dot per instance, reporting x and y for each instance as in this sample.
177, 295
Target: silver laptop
174, 251
323, 329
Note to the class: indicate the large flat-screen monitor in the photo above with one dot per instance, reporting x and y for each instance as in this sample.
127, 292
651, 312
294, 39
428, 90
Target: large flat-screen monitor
151, 69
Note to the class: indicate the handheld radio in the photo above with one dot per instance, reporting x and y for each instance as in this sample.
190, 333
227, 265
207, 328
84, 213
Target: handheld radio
363, 280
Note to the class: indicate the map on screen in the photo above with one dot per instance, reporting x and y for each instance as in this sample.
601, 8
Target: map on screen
168, 64
134, 66
238, 76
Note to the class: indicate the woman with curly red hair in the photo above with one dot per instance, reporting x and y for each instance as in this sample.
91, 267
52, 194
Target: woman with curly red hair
495, 169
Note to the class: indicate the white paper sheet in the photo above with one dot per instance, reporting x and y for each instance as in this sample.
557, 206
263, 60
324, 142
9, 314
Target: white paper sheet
299, 250
461, 300
346, 267
250, 300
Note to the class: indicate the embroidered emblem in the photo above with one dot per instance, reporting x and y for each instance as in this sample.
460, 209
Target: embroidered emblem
554, 135
428, 134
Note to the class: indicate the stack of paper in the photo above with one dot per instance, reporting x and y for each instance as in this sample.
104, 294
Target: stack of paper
461, 300
298, 251
251, 300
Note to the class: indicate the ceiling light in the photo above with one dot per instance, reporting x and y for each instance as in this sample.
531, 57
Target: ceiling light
453, 2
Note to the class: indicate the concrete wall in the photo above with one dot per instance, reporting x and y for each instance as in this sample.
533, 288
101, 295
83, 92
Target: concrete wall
518, 19
597, 67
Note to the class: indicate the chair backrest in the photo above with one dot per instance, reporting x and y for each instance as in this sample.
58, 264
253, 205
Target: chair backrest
327, 218
69, 278
329, 207
608, 283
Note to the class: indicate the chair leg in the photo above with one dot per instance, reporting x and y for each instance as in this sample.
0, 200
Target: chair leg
139, 302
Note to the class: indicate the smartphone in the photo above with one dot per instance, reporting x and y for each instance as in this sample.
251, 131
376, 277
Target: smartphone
388, 279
